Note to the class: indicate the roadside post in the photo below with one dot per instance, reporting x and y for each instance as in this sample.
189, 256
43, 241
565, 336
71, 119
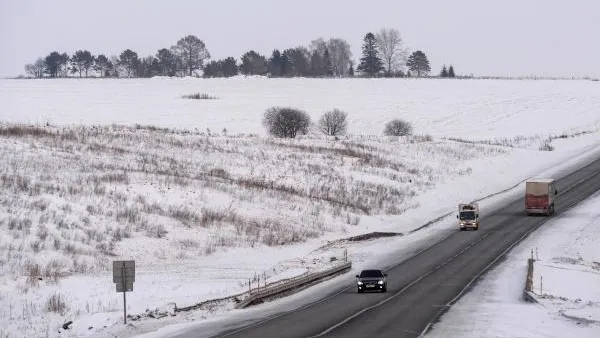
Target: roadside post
124, 276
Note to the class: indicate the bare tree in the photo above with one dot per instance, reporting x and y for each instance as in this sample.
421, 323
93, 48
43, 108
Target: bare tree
338, 51
286, 122
391, 47
397, 127
341, 56
192, 52
116, 67
333, 122
36, 69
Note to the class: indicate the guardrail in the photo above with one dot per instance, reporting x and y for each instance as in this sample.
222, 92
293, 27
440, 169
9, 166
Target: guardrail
291, 284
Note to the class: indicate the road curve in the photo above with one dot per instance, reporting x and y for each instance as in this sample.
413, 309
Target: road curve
423, 287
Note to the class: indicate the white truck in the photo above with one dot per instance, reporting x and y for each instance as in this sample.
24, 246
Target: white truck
468, 216
539, 196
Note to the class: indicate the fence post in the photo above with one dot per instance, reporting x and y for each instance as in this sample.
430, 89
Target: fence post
541, 285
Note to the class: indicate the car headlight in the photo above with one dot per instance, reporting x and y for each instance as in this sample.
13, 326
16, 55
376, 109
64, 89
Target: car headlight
359, 283
380, 282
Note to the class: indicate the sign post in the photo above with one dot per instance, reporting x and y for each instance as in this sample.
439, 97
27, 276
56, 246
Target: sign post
124, 276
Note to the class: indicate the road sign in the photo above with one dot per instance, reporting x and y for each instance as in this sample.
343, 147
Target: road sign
128, 286
123, 269
124, 276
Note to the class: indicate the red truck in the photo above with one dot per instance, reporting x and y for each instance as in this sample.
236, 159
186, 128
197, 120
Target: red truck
539, 196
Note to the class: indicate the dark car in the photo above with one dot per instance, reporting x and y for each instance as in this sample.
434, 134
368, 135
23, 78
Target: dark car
371, 280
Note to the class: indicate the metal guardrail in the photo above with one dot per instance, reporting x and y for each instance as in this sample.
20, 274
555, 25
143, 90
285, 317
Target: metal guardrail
291, 284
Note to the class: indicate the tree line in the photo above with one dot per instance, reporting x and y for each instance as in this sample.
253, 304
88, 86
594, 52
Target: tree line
383, 55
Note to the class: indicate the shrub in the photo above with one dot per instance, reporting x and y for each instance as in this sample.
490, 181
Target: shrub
333, 122
199, 96
397, 127
56, 304
286, 122
546, 146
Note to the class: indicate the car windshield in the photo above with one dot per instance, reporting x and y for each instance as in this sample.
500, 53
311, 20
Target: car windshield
467, 215
371, 273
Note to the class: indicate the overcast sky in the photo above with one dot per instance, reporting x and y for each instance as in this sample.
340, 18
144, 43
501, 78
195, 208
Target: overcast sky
482, 37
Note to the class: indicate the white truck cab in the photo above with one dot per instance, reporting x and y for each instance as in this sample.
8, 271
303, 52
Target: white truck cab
468, 216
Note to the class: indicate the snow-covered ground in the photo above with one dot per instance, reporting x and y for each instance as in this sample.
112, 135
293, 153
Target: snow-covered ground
202, 210
566, 285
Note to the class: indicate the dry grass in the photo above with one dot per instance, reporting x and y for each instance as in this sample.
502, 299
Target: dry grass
199, 96
81, 192
56, 304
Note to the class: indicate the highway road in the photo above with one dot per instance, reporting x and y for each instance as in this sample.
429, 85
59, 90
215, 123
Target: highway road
421, 288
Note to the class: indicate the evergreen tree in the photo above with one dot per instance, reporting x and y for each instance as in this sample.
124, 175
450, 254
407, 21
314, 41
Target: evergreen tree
129, 60
167, 62
56, 64
444, 72
327, 63
229, 67
192, 52
253, 64
451, 72
213, 69
370, 62
101, 64
418, 63
316, 64
83, 60
275, 65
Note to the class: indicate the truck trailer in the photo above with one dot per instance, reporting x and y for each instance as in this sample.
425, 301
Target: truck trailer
539, 196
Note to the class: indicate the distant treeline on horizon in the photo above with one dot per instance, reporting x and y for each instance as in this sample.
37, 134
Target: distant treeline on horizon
383, 55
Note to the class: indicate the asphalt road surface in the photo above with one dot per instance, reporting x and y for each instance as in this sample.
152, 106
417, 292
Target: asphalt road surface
422, 288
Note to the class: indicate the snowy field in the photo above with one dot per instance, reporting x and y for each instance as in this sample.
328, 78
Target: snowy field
193, 190
566, 285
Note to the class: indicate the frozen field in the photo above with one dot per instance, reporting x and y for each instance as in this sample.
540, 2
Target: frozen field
481, 109
201, 209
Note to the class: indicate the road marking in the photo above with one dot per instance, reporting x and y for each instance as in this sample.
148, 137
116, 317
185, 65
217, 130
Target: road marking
399, 292
428, 326
502, 254
255, 324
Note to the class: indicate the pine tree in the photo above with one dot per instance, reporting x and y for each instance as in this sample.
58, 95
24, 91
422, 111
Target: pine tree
275, 64
451, 72
327, 63
444, 72
370, 62
418, 63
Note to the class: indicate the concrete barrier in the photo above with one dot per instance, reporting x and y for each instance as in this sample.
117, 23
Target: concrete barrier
528, 294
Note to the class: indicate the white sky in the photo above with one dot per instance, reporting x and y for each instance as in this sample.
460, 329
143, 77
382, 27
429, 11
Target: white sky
508, 37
